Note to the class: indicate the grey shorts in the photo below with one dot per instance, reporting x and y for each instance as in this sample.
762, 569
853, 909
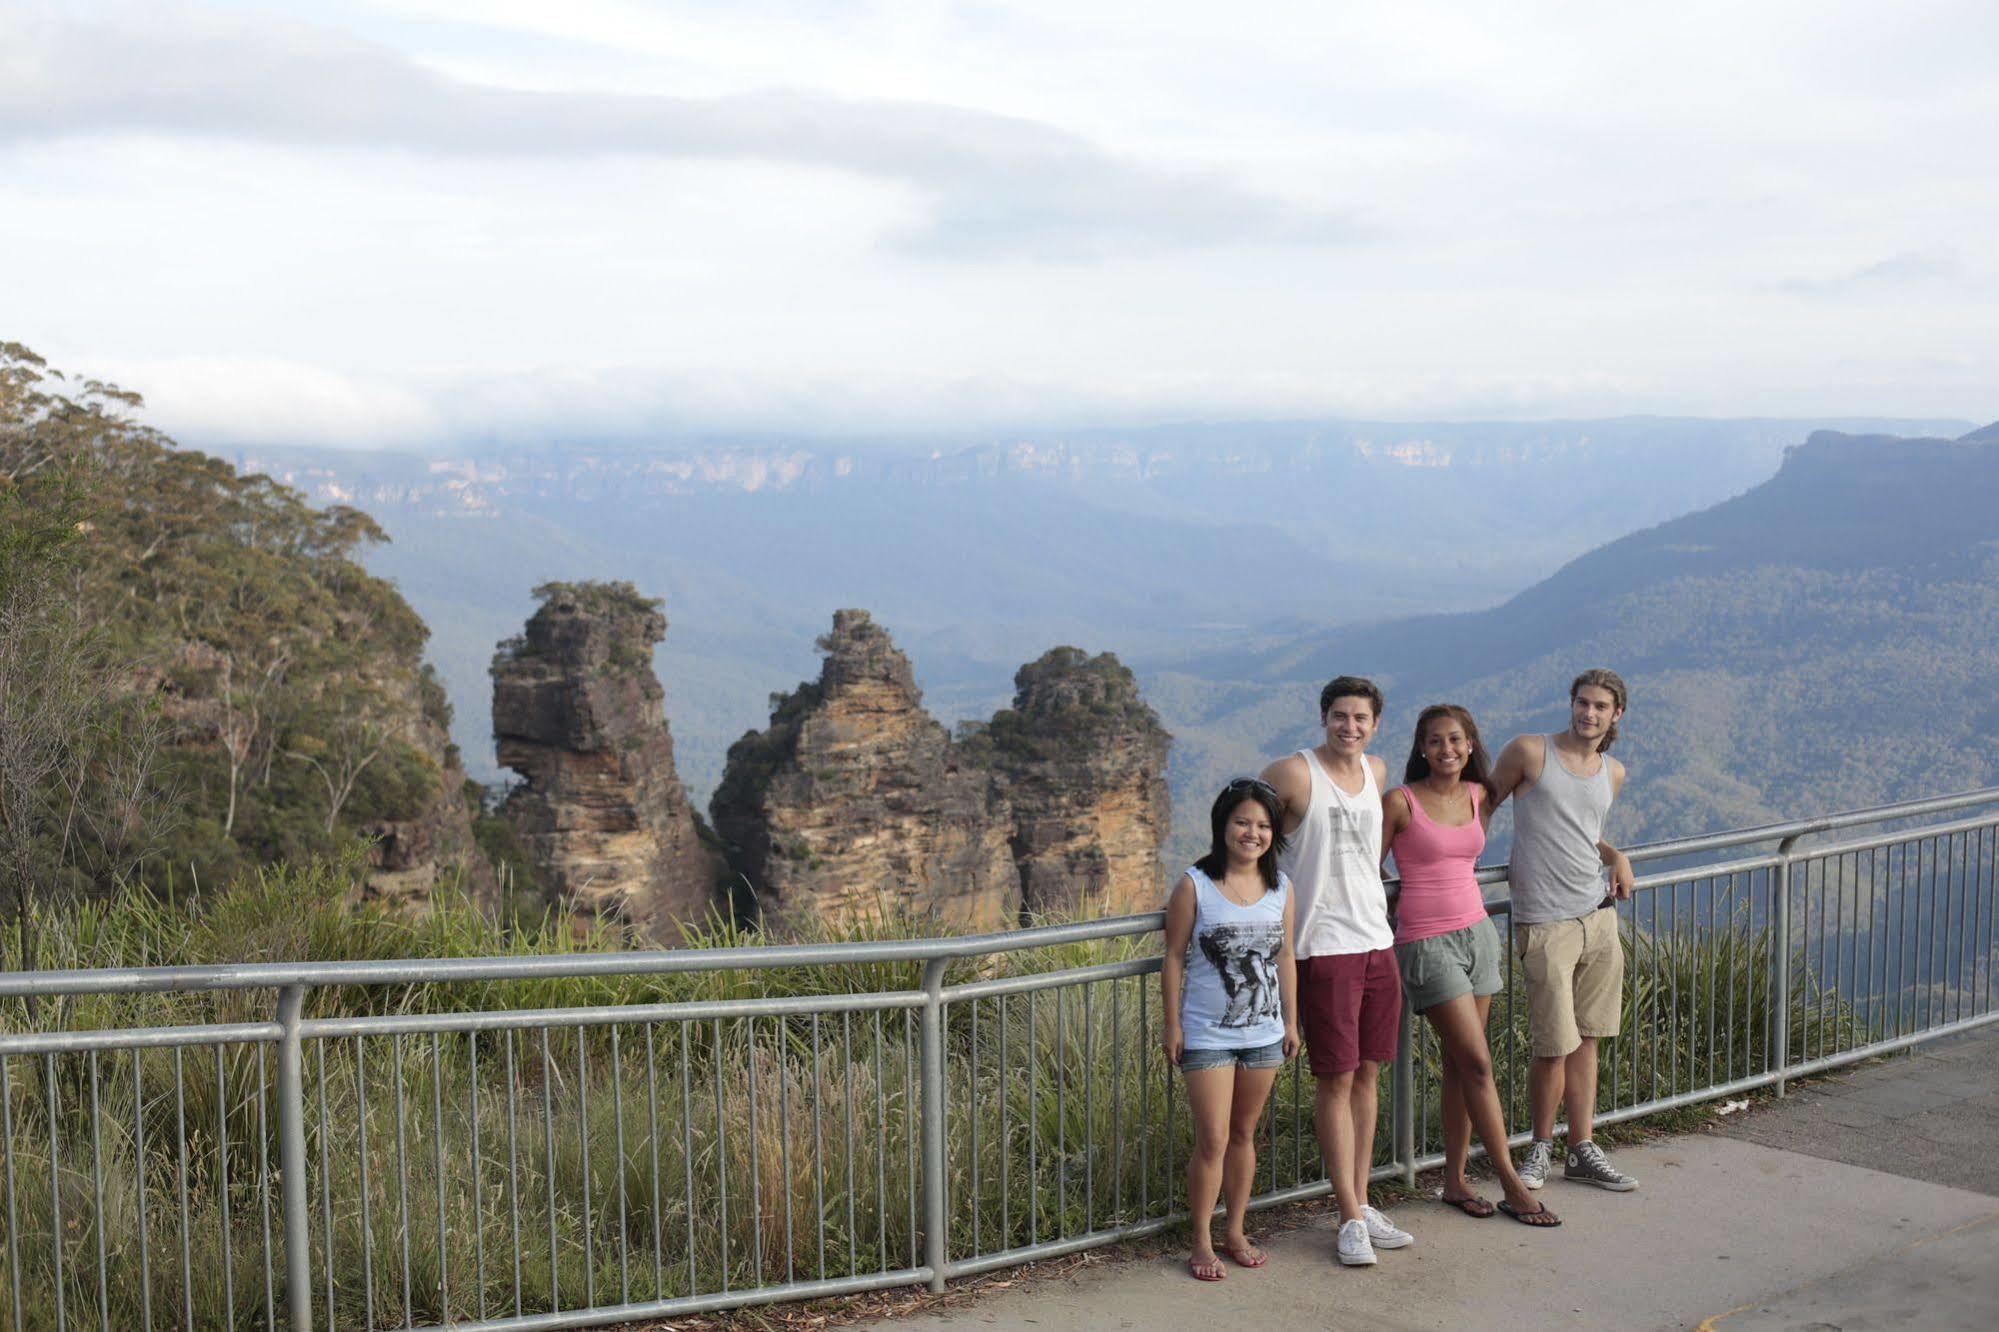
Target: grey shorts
1445, 966
1249, 1056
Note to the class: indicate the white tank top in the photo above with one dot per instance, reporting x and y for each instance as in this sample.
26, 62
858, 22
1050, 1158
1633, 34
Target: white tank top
1333, 860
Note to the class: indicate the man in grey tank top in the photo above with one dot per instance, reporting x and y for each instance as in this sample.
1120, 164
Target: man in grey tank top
1564, 922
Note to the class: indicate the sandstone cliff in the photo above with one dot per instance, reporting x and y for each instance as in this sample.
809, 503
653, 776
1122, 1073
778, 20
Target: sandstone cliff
410, 856
1081, 759
578, 713
856, 803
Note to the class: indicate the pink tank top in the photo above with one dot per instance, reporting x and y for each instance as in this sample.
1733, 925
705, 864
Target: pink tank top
1437, 863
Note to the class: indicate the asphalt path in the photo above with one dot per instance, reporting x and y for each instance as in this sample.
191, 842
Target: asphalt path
1868, 1200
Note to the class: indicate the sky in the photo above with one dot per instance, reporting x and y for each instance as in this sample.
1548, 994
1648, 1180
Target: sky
416, 223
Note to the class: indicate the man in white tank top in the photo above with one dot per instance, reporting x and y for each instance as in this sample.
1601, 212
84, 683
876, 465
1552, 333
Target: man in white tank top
1349, 992
1563, 921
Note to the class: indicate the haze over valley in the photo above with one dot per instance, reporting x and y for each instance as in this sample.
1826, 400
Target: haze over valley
1233, 566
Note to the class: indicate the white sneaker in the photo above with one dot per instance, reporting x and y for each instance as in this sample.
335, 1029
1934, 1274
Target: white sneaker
1383, 1233
1353, 1246
1535, 1165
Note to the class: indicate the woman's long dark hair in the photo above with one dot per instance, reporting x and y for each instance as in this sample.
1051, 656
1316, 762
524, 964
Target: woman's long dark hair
1216, 863
1478, 767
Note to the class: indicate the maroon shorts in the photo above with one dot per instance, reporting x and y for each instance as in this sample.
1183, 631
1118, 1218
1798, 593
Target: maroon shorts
1349, 1004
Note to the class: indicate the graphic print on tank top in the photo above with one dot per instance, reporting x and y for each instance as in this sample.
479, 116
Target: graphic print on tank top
1244, 956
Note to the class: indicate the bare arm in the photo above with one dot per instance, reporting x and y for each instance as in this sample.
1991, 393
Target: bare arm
1287, 982
1622, 877
1394, 818
1293, 783
1173, 968
1518, 766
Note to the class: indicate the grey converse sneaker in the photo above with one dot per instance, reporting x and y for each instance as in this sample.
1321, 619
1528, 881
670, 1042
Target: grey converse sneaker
1535, 1165
1383, 1233
1587, 1165
1353, 1246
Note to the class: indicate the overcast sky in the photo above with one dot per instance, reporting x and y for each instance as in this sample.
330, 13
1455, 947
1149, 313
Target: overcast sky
379, 222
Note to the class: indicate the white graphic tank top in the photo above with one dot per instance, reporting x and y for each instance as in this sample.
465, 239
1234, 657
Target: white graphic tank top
1334, 863
1229, 999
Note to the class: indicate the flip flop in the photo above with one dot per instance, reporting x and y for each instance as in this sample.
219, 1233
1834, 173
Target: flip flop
1195, 1269
1527, 1218
1242, 1257
1473, 1206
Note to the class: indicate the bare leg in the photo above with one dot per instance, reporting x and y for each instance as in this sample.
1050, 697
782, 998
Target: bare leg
1333, 1119
1544, 1094
1365, 1103
1579, 1096
1209, 1092
1460, 1027
1252, 1089
1457, 1133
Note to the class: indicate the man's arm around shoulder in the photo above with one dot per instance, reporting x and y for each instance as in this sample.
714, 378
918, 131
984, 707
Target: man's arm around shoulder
1518, 767
1289, 777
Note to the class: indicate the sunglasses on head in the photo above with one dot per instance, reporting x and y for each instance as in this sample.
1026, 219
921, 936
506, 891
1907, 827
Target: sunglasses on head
1242, 784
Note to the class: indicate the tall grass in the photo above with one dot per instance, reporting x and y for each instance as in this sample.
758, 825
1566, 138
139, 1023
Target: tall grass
469, 1174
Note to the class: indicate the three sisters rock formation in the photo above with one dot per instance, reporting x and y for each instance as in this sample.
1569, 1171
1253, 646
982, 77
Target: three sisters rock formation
854, 804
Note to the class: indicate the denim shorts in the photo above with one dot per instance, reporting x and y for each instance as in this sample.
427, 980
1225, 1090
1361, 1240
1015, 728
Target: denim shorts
1248, 1056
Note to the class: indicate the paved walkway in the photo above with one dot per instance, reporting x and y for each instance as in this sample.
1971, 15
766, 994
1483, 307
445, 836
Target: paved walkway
1867, 1201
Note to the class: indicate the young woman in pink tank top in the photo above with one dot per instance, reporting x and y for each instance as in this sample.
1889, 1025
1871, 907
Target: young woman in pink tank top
1445, 945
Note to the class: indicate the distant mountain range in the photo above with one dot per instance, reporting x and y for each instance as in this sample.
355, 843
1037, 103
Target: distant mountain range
1181, 548
1828, 639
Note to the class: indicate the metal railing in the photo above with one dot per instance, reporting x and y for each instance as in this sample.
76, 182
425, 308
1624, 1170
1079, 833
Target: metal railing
388, 1148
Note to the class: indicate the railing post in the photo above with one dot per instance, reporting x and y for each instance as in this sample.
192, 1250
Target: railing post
935, 1229
291, 1159
1780, 982
1402, 1091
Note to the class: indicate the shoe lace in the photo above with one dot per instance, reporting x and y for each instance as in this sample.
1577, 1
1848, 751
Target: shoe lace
1594, 1161
1537, 1157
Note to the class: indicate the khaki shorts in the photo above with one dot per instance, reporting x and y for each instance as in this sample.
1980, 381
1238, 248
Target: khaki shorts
1575, 980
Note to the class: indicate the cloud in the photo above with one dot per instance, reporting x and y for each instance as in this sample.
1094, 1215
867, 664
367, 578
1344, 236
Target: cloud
218, 400
996, 184
1911, 268
223, 402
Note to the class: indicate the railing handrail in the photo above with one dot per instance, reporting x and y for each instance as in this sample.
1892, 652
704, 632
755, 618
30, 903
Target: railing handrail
659, 962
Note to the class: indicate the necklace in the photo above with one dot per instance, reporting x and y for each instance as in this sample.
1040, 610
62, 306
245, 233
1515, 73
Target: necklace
1229, 892
1452, 802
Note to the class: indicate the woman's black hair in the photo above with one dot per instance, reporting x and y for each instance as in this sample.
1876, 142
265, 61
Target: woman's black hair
1478, 764
1216, 863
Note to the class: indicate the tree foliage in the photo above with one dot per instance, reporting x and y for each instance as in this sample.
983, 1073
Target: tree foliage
156, 594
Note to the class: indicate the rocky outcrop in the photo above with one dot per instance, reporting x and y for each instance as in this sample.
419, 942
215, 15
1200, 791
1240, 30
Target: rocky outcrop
409, 858
1081, 759
577, 712
855, 803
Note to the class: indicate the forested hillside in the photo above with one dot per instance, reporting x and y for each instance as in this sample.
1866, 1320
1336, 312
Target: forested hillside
1825, 640
983, 552
196, 674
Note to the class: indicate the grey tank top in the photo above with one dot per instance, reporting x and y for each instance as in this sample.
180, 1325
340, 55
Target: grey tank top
1556, 872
